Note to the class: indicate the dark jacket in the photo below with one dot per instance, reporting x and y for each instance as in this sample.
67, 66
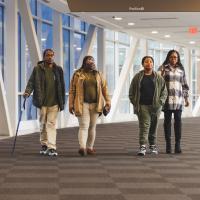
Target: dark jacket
160, 93
36, 84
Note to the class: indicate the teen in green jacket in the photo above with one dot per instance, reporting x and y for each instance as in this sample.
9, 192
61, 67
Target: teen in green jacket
147, 93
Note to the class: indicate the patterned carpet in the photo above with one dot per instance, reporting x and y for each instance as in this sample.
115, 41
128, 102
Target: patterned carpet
115, 173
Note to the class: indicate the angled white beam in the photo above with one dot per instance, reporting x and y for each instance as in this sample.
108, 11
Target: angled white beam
196, 110
30, 33
11, 63
101, 46
5, 125
122, 79
58, 49
87, 47
58, 38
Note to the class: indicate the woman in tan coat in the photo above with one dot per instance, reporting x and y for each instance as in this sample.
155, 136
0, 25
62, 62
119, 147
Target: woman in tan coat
87, 96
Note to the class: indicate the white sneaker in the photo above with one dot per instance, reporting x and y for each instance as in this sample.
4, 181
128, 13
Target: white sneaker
142, 150
153, 149
52, 152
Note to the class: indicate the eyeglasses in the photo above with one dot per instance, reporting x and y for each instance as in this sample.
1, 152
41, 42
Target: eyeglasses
173, 57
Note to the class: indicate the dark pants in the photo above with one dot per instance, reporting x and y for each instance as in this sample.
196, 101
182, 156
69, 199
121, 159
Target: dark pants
177, 129
148, 124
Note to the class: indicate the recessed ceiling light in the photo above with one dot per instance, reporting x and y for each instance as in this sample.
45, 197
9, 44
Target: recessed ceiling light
117, 18
131, 24
154, 32
167, 36
192, 42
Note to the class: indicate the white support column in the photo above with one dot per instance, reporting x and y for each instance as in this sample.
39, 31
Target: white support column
58, 38
122, 79
101, 46
4, 112
101, 49
196, 110
11, 62
188, 71
30, 33
58, 49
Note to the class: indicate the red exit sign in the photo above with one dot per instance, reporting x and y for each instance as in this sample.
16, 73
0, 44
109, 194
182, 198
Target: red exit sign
193, 30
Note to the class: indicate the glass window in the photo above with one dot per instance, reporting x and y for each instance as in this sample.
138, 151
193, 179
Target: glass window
24, 73
31, 111
66, 58
122, 49
79, 25
110, 35
65, 20
124, 38
110, 66
46, 12
33, 6
78, 44
124, 105
153, 44
2, 40
137, 66
47, 36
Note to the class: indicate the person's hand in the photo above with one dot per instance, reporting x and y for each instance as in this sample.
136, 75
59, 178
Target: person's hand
107, 107
71, 110
25, 95
187, 103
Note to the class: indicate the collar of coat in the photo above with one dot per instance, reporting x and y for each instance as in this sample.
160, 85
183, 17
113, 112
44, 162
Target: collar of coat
42, 64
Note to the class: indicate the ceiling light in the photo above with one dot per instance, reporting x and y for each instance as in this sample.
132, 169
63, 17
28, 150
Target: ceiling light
131, 24
43, 39
117, 18
167, 36
154, 32
192, 42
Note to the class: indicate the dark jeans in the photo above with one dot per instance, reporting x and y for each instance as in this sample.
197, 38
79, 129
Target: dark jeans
177, 128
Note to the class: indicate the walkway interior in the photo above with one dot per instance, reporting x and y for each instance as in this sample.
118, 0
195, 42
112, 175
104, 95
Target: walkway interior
115, 173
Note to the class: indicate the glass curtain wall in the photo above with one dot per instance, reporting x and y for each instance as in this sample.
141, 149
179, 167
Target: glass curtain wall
74, 32
2, 38
194, 60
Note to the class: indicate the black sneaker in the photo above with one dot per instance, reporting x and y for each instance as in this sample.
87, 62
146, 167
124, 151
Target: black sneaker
153, 149
52, 152
43, 150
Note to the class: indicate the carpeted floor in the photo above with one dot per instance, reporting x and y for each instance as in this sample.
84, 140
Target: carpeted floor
115, 173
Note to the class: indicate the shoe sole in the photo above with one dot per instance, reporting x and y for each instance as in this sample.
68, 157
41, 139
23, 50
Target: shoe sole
43, 153
141, 154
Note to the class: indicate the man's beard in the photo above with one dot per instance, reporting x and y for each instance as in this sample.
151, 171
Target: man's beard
49, 61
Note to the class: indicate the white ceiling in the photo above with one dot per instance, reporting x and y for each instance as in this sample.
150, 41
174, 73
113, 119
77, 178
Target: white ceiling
176, 24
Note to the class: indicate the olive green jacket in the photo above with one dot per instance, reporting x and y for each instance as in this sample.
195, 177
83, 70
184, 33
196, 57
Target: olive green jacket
160, 93
36, 84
